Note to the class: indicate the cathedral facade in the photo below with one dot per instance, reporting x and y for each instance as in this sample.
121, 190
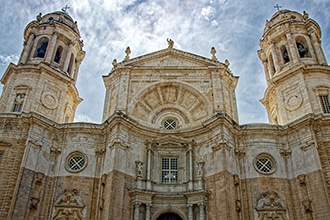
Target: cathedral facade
170, 146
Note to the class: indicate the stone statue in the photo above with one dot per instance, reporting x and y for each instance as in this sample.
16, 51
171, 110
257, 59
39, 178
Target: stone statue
170, 43
139, 168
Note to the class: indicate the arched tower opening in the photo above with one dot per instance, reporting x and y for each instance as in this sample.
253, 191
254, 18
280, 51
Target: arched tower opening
48, 66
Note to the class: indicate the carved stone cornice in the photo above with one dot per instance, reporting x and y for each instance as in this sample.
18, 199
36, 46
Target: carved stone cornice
54, 152
307, 146
100, 152
239, 153
285, 152
222, 144
118, 144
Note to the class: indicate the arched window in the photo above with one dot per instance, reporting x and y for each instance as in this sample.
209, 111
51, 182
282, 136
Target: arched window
41, 48
302, 47
70, 64
285, 54
58, 54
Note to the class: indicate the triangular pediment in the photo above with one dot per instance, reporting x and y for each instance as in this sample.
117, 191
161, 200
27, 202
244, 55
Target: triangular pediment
170, 58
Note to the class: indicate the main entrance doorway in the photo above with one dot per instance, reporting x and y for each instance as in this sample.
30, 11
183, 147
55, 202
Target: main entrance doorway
169, 216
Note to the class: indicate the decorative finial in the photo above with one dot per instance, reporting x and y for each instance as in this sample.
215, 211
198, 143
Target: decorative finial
213, 52
114, 63
227, 63
170, 43
65, 9
277, 7
39, 16
305, 15
128, 52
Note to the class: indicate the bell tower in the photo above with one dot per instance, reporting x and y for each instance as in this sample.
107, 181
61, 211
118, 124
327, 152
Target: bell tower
296, 70
44, 79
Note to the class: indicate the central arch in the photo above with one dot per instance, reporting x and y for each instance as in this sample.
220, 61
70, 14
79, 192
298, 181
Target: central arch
169, 216
169, 213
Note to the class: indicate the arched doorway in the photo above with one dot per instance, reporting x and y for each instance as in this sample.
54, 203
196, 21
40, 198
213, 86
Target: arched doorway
169, 216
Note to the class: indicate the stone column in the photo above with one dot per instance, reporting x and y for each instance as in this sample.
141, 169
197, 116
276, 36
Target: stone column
67, 58
190, 183
190, 212
148, 207
123, 91
149, 169
201, 211
293, 48
76, 69
275, 57
318, 50
51, 48
217, 89
27, 49
136, 210
200, 175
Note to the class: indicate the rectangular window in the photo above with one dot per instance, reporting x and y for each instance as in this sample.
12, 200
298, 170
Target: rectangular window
170, 170
1, 155
325, 104
18, 103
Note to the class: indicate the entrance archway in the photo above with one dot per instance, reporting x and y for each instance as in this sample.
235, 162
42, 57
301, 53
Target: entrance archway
169, 216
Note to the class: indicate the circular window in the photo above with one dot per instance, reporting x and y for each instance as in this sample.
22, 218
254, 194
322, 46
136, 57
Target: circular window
76, 162
170, 124
265, 164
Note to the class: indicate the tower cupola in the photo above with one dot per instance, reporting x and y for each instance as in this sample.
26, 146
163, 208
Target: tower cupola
296, 69
44, 79
53, 39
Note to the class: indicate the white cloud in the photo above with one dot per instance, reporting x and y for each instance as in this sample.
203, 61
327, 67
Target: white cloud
83, 118
208, 12
109, 26
5, 59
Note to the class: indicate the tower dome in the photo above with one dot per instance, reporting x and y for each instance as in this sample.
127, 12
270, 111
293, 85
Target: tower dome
44, 79
53, 39
294, 63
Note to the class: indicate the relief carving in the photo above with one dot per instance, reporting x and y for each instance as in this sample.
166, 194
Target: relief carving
270, 206
69, 206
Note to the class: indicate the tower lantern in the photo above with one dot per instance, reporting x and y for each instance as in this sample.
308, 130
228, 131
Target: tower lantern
294, 63
44, 79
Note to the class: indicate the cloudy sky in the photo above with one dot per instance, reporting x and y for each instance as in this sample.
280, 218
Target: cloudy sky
107, 27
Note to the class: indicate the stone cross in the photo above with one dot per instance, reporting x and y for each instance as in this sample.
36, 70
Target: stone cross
278, 7
65, 8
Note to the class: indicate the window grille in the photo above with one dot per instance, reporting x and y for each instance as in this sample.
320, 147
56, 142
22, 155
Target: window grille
265, 164
170, 124
325, 104
76, 162
170, 170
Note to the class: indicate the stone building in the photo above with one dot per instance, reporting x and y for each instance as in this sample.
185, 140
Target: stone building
170, 146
